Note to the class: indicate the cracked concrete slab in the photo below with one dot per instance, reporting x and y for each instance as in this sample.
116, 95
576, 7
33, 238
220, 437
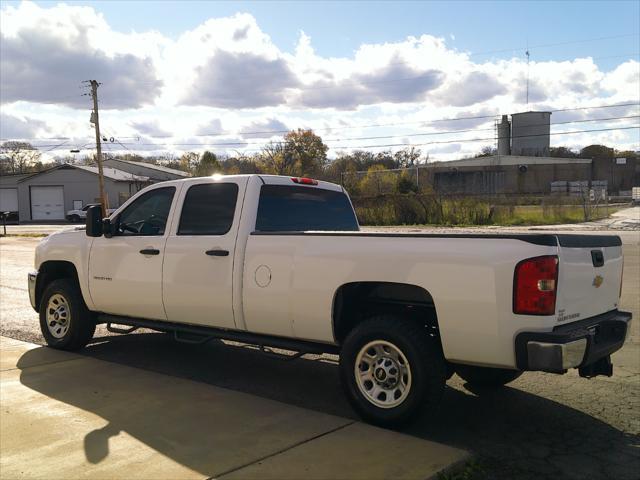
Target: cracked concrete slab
78, 417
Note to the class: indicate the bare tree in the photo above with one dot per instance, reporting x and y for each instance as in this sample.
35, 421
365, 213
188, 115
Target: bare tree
18, 157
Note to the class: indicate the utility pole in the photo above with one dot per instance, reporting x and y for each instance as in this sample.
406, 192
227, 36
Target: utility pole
104, 200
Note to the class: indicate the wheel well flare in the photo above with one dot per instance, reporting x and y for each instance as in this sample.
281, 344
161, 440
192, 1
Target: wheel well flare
53, 270
356, 301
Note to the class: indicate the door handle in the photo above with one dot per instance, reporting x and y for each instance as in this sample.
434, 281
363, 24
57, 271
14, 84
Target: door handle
217, 253
150, 251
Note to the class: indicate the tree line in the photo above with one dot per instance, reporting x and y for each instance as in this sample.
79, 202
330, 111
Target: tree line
300, 153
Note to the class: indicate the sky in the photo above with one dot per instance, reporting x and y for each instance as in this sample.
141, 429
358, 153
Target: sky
231, 76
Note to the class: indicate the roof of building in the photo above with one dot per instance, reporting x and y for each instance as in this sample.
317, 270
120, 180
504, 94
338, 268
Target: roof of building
154, 166
114, 174
9, 179
110, 173
510, 160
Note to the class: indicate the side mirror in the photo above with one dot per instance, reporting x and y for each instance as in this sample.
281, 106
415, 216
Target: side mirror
94, 221
107, 227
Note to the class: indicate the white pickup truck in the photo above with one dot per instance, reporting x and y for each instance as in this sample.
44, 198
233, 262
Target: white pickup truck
80, 214
281, 262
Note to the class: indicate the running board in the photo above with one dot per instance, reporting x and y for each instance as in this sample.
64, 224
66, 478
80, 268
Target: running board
260, 340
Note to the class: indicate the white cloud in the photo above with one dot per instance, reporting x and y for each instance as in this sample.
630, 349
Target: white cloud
229, 69
150, 127
18, 128
266, 128
45, 54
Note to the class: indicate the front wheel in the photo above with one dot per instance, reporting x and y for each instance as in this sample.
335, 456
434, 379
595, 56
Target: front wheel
65, 321
391, 370
487, 377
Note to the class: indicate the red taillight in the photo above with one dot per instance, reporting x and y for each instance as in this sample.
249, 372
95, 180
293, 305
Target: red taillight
534, 286
304, 180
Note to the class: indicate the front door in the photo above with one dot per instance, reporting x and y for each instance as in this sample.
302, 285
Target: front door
199, 255
125, 271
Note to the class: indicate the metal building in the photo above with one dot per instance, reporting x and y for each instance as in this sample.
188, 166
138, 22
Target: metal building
530, 134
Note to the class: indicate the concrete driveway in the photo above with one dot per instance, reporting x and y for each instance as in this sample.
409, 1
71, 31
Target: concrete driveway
70, 416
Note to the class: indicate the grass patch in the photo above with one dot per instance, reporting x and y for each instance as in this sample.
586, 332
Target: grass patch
546, 215
416, 209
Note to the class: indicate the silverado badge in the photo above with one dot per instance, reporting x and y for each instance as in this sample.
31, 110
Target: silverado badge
597, 281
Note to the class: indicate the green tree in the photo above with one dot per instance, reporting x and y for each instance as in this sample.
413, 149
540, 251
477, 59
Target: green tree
377, 181
306, 150
207, 165
406, 184
597, 152
563, 152
276, 160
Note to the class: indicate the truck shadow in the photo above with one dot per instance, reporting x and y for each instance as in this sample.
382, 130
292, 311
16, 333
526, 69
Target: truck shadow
522, 434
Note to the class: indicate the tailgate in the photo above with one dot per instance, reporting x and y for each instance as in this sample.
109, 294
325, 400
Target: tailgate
589, 276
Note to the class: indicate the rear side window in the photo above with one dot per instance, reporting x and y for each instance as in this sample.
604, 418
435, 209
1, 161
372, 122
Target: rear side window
285, 208
208, 209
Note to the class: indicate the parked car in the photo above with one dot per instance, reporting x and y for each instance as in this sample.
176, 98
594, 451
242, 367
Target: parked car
281, 262
80, 215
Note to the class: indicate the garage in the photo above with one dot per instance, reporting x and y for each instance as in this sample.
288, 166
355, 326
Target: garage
8, 199
47, 203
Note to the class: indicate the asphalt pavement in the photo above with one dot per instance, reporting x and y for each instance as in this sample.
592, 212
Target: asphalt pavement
540, 426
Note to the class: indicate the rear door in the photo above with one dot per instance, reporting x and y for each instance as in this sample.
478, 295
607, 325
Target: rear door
589, 276
199, 254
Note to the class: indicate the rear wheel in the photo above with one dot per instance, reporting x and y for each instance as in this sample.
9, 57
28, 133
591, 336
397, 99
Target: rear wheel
487, 377
74, 218
65, 321
391, 370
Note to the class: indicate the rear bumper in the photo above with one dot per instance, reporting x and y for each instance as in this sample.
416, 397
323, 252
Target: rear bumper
574, 345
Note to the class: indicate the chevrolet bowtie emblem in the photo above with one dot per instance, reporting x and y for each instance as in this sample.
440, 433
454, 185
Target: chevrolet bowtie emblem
597, 281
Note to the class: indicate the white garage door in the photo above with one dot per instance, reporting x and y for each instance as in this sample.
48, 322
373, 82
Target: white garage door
47, 203
8, 199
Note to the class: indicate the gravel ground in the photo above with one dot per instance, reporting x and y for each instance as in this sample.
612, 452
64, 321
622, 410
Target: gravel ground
540, 426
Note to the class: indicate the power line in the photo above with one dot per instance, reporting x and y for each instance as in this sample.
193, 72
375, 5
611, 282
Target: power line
490, 138
449, 132
378, 125
466, 140
424, 122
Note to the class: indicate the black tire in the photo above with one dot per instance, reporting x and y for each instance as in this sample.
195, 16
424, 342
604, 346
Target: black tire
74, 218
79, 320
487, 377
425, 360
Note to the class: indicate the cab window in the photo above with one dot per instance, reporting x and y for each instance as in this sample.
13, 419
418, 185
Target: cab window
147, 215
284, 208
208, 209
